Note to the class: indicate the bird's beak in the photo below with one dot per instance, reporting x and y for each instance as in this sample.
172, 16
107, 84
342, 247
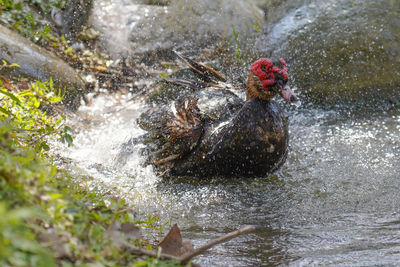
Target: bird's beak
288, 94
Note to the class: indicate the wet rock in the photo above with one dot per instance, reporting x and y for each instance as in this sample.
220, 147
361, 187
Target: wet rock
339, 51
75, 17
37, 63
162, 92
139, 29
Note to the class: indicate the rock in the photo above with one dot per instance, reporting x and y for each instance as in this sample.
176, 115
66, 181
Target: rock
339, 51
139, 29
75, 17
37, 63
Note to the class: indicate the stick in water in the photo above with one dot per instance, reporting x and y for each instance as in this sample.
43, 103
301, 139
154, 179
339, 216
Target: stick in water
188, 256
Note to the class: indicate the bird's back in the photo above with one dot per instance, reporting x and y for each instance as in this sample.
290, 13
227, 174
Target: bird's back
252, 142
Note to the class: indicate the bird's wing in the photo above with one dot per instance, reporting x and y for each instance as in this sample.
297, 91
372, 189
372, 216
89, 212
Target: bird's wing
178, 129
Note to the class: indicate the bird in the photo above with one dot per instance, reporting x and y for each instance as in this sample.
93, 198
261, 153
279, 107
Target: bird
213, 131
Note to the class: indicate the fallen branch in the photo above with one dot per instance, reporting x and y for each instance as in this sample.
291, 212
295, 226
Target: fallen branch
188, 256
139, 251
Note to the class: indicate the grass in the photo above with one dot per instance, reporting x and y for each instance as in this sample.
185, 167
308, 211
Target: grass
47, 219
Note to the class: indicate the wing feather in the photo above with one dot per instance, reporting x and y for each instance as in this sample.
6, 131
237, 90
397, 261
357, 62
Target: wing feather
177, 128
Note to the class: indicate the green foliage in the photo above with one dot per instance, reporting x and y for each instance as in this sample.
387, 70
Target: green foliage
26, 112
48, 218
74, 225
27, 17
22, 173
235, 36
19, 168
256, 26
36, 199
18, 246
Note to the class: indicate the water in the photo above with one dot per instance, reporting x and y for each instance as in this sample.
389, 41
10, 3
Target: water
334, 202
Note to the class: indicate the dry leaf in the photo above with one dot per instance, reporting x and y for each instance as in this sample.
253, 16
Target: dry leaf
172, 243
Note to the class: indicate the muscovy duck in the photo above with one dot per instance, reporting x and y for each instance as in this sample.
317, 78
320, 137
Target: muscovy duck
213, 131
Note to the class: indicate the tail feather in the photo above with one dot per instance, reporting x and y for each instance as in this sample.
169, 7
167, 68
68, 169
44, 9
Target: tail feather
208, 74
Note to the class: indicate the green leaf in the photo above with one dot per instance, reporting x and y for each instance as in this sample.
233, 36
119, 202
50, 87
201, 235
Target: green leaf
10, 95
55, 196
69, 50
68, 139
15, 65
26, 93
23, 213
5, 111
141, 264
51, 85
68, 129
256, 26
44, 146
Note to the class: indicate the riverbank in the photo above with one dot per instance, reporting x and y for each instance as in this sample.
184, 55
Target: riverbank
49, 218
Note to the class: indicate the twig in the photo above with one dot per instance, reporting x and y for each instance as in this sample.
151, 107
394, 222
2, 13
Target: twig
188, 256
166, 159
139, 251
